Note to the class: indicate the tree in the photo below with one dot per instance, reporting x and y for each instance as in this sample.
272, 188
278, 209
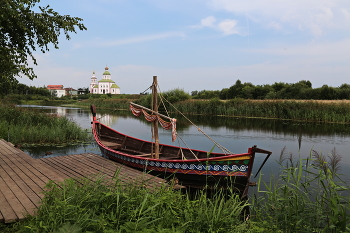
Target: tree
235, 90
22, 31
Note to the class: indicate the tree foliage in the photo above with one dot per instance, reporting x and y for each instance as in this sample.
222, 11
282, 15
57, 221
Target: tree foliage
279, 90
23, 31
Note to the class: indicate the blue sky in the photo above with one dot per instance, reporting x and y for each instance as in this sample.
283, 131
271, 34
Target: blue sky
200, 44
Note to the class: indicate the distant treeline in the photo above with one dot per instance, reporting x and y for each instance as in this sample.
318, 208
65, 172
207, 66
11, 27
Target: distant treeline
15, 88
279, 90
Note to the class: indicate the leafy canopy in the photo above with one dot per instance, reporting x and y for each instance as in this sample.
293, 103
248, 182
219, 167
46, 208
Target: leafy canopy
22, 31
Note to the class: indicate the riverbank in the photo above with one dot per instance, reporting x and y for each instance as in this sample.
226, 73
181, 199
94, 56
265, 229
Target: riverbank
306, 197
30, 126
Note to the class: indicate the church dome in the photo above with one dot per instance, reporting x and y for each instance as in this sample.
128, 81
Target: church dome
106, 72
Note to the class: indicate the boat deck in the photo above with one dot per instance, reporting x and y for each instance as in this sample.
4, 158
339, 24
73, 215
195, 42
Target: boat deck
22, 177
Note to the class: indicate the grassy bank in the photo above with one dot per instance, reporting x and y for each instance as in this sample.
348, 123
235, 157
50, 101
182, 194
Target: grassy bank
21, 126
306, 196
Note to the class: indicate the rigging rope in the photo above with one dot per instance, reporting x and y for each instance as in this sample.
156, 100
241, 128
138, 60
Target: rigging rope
222, 148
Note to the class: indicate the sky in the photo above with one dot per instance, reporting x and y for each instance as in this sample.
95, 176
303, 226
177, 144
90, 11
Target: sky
200, 44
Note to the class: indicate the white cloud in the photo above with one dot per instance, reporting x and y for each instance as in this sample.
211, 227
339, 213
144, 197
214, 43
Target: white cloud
316, 16
226, 26
208, 22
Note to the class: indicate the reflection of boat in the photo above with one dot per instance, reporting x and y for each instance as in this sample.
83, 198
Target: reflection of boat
191, 167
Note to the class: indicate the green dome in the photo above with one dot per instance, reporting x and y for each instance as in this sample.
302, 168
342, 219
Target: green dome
106, 72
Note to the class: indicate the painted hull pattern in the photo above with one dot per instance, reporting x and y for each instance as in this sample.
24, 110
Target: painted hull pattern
234, 167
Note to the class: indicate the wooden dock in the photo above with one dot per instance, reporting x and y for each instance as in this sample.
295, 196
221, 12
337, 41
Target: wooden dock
22, 178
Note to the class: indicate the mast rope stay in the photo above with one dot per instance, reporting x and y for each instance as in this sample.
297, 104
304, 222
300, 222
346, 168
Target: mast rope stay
222, 148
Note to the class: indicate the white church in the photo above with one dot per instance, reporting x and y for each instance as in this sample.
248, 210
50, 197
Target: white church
105, 85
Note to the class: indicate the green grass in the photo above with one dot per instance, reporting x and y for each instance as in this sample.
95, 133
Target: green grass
95, 207
19, 125
306, 196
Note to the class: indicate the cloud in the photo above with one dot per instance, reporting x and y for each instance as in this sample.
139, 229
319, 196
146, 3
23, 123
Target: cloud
208, 22
321, 63
315, 16
226, 26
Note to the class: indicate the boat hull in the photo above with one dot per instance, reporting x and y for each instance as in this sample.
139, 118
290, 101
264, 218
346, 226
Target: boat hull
193, 168
235, 167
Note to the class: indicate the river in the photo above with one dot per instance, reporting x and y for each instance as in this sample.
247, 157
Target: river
236, 134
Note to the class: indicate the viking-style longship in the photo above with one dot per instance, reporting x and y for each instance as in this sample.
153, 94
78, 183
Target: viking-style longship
193, 168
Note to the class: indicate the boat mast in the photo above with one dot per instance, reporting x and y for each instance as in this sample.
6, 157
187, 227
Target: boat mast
155, 123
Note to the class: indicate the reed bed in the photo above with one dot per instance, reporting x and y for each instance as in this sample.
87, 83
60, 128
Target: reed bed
24, 126
107, 103
296, 110
314, 111
307, 196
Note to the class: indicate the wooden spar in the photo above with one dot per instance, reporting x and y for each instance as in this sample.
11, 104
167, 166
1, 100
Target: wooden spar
155, 123
150, 110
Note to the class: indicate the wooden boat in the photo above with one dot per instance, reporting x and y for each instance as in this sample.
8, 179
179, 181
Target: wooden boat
193, 168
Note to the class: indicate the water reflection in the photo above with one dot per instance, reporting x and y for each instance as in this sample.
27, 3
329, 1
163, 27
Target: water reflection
236, 134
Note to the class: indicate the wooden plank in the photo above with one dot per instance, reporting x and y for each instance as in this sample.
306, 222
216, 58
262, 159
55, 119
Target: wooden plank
27, 175
31, 165
12, 200
60, 168
40, 167
6, 212
91, 170
70, 165
96, 167
22, 181
8, 147
60, 165
18, 189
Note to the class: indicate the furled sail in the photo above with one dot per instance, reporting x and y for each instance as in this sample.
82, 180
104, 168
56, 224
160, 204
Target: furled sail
137, 111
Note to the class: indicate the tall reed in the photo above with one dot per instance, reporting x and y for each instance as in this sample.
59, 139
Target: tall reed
308, 196
19, 125
107, 103
274, 109
311, 110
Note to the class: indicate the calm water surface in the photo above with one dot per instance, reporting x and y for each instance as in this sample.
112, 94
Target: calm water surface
235, 134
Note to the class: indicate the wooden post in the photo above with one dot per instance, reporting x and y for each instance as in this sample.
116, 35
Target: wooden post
155, 123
